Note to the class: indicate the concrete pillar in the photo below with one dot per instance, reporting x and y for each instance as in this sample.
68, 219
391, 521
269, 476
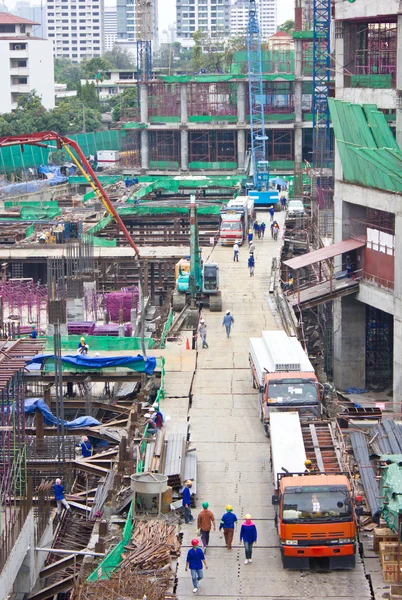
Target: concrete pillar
298, 133
349, 343
397, 359
144, 150
183, 104
144, 103
184, 149
241, 149
340, 55
399, 83
241, 101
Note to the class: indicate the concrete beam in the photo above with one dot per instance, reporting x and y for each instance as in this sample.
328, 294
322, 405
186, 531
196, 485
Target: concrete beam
384, 98
374, 296
349, 343
369, 197
368, 8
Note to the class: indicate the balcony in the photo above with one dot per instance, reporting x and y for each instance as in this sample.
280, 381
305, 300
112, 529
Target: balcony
19, 71
20, 88
23, 53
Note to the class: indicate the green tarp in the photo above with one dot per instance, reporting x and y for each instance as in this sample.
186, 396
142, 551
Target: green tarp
391, 494
98, 343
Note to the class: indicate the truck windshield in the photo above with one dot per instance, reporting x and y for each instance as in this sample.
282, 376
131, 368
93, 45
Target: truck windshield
293, 393
230, 226
315, 505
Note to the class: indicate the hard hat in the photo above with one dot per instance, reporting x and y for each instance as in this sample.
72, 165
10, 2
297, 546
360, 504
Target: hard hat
228, 312
189, 482
194, 542
229, 507
147, 415
205, 505
202, 321
248, 517
82, 339
33, 326
151, 410
58, 481
308, 462
85, 439
155, 405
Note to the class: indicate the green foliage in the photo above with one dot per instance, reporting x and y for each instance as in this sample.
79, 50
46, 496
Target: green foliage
172, 57
31, 116
96, 68
288, 26
89, 96
213, 54
65, 71
127, 99
119, 58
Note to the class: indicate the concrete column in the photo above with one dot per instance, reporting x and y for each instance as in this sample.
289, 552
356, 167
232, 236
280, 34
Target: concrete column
399, 83
340, 55
241, 149
397, 359
241, 101
184, 149
298, 134
144, 103
183, 104
349, 343
144, 150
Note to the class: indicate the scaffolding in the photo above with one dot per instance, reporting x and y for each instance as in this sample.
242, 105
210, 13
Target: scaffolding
375, 54
163, 100
213, 146
164, 149
379, 349
212, 99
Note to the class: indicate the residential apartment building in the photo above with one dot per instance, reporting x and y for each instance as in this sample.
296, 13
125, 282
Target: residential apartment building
110, 28
127, 26
368, 193
32, 12
26, 63
76, 28
210, 16
267, 13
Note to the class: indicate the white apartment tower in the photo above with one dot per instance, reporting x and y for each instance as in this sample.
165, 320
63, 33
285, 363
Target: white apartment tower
26, 63
210, 16
267, 13
76, 28
110, 28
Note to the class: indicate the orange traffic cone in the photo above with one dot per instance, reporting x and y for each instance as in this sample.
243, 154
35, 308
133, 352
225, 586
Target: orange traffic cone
187, 344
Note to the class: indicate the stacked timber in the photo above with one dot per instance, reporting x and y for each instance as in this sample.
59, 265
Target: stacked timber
175, 459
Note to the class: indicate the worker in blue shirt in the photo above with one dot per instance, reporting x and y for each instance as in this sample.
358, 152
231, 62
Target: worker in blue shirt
82, 346
34, 333
227, 523
186, 502
86, 447
194, 560
58, 490
228, 321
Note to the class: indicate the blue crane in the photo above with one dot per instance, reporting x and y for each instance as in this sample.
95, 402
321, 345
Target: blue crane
321, 81
260, 165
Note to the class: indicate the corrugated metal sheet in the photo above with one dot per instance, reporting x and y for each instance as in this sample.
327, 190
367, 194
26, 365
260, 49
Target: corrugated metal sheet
323, 253
367, 473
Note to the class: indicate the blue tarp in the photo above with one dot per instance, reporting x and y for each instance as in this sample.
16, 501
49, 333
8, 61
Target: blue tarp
33, 404
53, 174
83, 363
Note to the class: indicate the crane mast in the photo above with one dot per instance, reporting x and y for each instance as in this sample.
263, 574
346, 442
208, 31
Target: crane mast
321, 81
260, 166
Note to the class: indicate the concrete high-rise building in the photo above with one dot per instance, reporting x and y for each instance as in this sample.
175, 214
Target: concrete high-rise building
267, 13
76, 29
110, 28
209, 16
26, 63
127, 24
32, 12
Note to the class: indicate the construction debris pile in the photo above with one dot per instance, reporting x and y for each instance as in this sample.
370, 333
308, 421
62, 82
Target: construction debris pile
146, 567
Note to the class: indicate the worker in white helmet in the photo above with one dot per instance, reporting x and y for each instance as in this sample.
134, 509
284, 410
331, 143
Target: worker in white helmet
59, 496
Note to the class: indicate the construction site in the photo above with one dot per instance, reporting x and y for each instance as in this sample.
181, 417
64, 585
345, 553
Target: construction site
270, 195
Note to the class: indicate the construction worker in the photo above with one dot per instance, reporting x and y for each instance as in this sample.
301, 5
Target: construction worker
228, 321
157, 416
86, 447
262, 228
271, 213
248, 535
202, 330
34, 333
310, 468
205, 521
251, 264
227, 523
186, 502
58, 490
151, 423
236, 252
194, 560
82, 346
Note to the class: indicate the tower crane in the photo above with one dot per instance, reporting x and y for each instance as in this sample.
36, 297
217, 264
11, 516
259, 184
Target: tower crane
321, 81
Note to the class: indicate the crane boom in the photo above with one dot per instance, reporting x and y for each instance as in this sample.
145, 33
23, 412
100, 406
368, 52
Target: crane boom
260, 166
63, 142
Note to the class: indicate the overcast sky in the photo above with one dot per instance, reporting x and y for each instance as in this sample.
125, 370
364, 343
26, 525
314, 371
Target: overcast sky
167, 11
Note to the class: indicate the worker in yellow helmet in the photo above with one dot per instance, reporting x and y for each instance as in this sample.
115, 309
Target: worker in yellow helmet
227, 523
83, 346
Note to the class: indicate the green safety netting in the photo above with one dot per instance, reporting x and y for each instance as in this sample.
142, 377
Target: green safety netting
166, 328
114, 558
104, 179
216, 166
103, 243
99, 343
26, 203
162, 119
163, 164
133, 125
100, 225
360, 136
303, 35
36, 214
30, 230
371, 81
164, 210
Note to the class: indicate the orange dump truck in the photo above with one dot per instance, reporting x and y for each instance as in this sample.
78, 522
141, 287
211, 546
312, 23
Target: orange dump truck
313, 505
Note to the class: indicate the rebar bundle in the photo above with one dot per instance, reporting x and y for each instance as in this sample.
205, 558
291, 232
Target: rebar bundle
120, 586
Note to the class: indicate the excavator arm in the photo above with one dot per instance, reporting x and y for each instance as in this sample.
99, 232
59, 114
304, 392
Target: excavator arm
79, 159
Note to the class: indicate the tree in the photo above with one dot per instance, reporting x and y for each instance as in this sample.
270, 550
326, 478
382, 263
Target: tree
127, 99
89, 96
119, 58
65, 71
288, 26
96, 68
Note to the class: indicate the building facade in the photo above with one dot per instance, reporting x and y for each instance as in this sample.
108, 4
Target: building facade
127, 26
32, 12
267, 13
77, 30
209, 16
26, 63
368, 193
110, 28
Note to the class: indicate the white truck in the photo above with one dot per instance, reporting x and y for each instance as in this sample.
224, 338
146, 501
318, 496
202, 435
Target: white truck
284, 376
235, 219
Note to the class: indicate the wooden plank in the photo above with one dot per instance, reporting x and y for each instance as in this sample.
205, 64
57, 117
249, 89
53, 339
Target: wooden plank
317, 450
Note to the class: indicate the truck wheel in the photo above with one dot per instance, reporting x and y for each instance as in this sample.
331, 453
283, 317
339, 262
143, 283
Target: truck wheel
178, 301
266, 430
215, 302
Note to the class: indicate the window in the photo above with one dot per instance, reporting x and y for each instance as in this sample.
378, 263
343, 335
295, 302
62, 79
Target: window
22, 63
18, 46
22, 80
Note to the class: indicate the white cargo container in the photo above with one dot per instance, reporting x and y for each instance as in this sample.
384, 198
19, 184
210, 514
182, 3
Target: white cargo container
107, 158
